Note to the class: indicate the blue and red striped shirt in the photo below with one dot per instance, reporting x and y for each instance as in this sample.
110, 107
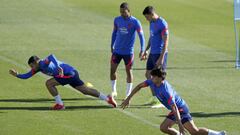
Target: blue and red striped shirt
166, 94
123, 35
158, 28
50, 66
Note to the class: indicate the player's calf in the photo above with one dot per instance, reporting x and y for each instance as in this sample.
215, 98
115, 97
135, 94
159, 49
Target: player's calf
92, 92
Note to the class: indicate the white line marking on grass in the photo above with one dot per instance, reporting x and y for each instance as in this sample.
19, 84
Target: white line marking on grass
3, 58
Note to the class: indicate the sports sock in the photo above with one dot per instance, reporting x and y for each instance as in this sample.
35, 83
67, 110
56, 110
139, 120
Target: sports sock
129, 89
103, 97
212, 132
58, 100
114, 85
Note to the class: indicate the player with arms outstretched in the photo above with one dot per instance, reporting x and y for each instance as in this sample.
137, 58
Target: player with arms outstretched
172, 101
62, 74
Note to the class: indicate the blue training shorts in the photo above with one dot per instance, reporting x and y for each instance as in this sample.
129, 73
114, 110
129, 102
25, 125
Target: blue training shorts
128, 59
73, 81
152, 60
184, 113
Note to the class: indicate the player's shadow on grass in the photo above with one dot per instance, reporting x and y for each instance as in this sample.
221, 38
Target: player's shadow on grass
43, 100
195, 68
68, 108
208, 115
223, 61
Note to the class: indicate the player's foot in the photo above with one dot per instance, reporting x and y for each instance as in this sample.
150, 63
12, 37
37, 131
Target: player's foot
111, 101
223, 133
114, 94
58, 107
158, 105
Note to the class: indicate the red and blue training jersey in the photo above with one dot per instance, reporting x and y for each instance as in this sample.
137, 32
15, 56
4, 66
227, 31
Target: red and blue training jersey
166, 94
50, 66
123, 35
158, 28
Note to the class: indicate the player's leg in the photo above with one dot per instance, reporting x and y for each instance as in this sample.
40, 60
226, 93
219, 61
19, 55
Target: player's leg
51, 86
129, 60
79, 85
166, 127
115, 60
188, 123
95, 93
194, 130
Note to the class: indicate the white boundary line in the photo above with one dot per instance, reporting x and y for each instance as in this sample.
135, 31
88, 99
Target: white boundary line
3, 58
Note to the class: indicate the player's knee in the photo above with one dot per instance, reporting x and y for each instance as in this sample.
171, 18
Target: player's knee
113, 73
48, 83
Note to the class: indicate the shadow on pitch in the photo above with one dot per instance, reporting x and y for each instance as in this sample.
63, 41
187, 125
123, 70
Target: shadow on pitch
223, 61
68, 108
209, 115
193, 68
43, 100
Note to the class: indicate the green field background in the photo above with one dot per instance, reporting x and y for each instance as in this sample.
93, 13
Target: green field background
200, 66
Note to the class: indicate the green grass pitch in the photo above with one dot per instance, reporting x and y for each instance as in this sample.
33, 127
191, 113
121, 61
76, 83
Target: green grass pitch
201, 66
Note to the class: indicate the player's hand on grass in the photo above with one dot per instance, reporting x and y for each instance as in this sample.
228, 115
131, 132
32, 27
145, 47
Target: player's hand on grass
125, 103
13, 72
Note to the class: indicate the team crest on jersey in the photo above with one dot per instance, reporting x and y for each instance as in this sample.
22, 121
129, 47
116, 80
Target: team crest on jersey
123, 30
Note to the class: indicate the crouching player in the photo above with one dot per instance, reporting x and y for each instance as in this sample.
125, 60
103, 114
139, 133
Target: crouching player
171, 100
62, 74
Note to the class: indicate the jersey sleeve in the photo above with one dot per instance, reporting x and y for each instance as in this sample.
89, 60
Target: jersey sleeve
140, 34
147, 83
168, 94
164, 28
114, 33
26, 75
52, 58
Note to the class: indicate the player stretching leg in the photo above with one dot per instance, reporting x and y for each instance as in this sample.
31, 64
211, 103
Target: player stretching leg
122, 45
158, 42
172, 101
62, 74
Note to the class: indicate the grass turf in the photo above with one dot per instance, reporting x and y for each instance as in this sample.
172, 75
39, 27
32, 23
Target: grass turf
201, 65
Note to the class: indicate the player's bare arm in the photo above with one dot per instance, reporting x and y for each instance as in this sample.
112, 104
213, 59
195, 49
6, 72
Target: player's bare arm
125, 103
178, 119
145, 55
161, 58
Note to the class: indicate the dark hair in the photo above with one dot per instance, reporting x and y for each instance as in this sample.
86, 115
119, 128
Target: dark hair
148, 10
159, 72
124, 5
32, 59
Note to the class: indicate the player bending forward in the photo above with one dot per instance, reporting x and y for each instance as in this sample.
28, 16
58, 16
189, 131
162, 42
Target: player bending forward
171, 100
62, 74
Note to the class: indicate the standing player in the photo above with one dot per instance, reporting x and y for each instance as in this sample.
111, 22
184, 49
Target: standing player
158, 42
62, 74
122, 45
172, 101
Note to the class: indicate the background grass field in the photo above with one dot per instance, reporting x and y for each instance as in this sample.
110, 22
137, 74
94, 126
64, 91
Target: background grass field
201, 66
